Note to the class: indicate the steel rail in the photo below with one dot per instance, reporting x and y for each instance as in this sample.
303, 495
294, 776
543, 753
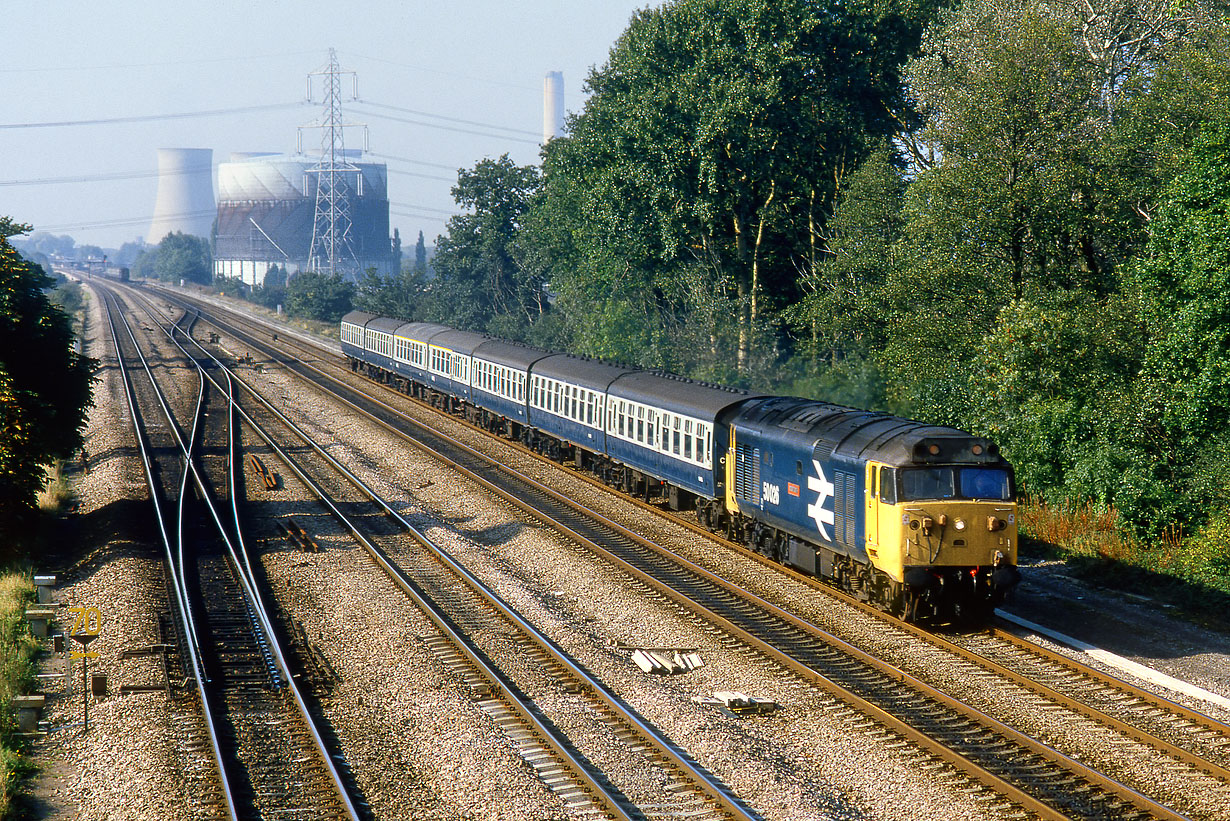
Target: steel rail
433, 613
666, 748
1152, 699
248, 583
155, 492
1138, 800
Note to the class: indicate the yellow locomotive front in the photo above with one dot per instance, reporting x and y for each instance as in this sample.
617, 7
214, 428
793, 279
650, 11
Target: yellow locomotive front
945, 526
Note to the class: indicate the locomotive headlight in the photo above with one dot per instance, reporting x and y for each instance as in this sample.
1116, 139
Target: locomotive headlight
959, 524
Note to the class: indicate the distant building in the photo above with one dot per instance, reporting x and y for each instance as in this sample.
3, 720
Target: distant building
266, 207
185, 200
552, 106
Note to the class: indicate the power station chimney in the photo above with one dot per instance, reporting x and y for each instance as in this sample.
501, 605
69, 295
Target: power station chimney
552, 105
185, 200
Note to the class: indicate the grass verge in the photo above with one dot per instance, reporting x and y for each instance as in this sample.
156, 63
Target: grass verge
57, 495
1190, 572
17, 651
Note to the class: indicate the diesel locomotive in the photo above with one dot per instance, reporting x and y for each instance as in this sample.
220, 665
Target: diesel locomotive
916, 519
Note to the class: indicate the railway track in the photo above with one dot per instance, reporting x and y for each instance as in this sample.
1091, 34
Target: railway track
462, 607
261, 738
1095, 797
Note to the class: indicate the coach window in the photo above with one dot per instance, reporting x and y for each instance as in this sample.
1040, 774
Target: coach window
640, 424
677, 424
687, 439
650, 424
621, 418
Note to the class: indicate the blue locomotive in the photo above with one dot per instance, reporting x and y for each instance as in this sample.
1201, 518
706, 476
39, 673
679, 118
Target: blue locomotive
919, 520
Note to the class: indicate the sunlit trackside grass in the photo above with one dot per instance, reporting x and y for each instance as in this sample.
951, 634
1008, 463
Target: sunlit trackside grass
1191, 571
17, 649
57, 495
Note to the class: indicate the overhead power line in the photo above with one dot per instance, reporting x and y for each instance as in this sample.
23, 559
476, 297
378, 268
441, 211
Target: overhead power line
450, 212
410, 215
454, 129
104, 177
420, 176
107, 66
486, 80
448, 119
378, 155
119, 222
145, 118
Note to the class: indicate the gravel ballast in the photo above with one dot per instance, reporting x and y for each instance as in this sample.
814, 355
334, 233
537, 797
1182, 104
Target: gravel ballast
419, 746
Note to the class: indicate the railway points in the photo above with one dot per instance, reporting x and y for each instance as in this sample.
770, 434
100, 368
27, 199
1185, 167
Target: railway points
431, 484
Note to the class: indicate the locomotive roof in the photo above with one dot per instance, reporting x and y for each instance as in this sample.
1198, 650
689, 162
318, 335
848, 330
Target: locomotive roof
676, 394
861, 435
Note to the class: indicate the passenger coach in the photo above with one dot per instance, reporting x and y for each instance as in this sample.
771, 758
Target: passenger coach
918, 519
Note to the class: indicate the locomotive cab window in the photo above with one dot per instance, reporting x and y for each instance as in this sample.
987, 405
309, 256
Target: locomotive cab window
955, 482
985, 483
927, 483
888, 486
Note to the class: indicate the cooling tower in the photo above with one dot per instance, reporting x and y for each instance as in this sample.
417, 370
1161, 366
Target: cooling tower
185, 200
552, 105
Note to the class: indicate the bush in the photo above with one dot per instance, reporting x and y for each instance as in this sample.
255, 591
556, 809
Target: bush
17, 650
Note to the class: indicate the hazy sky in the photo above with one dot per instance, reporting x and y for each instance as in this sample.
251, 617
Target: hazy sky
477, 61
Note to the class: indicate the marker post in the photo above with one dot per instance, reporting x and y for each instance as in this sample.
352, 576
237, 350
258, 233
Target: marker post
85, 630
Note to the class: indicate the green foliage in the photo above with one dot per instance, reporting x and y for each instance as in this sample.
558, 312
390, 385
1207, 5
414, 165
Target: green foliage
1054, 381
183, 256
1183, 282
401, 295
319, 296
420, 256
68, 297
178, 256
477, 275
17, 651
712, 141
45, 386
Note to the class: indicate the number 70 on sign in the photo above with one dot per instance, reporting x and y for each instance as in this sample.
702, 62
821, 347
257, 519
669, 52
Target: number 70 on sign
86, 628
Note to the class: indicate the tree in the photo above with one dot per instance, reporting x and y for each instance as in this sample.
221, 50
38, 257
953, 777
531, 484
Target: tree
840, 317
319, 296
420, 256
45, 385
183, 256
1183, 281
477, 277
712, 140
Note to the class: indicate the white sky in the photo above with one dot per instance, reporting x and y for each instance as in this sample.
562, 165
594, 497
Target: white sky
477, 60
